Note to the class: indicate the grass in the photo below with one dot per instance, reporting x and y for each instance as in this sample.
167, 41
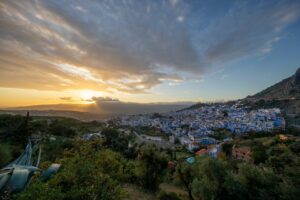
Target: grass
152, 132
181, 193
136, 193
182, 154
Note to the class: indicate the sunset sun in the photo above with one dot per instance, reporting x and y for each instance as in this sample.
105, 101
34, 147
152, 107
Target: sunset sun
87, 95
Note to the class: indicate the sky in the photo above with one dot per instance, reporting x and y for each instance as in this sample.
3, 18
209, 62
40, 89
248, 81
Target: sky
80, 51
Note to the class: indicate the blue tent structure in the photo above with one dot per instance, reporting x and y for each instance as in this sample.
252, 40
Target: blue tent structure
16, 175
190, 160
47, 174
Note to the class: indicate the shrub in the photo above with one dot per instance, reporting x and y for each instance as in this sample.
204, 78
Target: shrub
168, 196
5, 154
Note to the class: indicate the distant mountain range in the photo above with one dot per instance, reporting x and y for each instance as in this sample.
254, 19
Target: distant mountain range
97, 110
85, 116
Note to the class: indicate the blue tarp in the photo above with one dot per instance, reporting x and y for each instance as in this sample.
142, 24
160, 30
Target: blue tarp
190, 160
15, 176
50, 171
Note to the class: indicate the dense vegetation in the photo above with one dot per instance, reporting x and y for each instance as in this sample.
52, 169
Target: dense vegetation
105, 168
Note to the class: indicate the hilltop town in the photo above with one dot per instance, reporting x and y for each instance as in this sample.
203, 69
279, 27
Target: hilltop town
194, 127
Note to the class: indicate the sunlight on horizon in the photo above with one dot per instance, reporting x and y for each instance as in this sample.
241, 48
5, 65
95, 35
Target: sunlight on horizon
87, 95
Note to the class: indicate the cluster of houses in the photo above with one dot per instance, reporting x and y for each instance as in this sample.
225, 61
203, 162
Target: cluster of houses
194, 127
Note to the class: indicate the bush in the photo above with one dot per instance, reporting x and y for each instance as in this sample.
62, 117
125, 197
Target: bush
5, 154
63, 127
53, 150
168, 196
86, 173
151, 167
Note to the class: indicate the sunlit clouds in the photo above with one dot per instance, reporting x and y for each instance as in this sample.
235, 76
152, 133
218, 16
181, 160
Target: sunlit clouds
129, 47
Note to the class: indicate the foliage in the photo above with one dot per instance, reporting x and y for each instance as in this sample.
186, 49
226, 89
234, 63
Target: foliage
62, 127
15, 127
261, 182
53, 150
227, 149
120, 142
168, 196
184, 175
295, 147
99, 169
279, 156
87, 173
209, 178
258, 153
151, 167
5, 154
276, 176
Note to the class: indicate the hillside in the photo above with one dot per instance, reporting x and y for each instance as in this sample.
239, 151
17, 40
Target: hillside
286, 89
284, 95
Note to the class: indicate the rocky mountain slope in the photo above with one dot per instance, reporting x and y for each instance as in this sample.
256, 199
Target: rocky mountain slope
286, 89
285, 95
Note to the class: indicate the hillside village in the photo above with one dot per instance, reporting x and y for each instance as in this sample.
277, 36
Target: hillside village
195, 127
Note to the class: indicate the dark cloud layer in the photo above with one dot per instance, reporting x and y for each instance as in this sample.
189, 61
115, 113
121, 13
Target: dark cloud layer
66, 98
104, 99
131, 45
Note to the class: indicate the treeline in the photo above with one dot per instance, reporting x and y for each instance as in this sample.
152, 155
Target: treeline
101, 168
218, 179
93, 170
15, 130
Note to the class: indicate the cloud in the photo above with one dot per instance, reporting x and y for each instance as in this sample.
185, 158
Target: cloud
66, 98
104, 99
248, 32
131, 46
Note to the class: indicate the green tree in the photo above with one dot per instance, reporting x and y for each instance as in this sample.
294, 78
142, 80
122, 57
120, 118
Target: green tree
233, 189
209, 177
259, 183
295, 146
63, 127
115, 140
151, 167
280, 156
85, 174
184, 174
5, 154
227, 148
258, 153
168, 196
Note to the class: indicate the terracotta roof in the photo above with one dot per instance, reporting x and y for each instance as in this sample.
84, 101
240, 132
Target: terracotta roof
202, 152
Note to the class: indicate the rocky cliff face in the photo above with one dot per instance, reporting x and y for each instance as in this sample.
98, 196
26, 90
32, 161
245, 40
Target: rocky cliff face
286, 89
297, 78
285, 94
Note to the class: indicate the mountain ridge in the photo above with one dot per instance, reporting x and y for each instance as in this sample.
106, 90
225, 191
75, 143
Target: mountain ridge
284, 95
286, 89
